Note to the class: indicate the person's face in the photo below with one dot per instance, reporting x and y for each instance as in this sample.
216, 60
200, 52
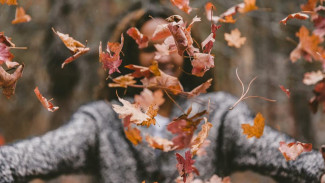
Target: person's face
170, 64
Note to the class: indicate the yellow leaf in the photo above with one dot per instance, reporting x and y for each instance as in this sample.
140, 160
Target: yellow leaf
255, 130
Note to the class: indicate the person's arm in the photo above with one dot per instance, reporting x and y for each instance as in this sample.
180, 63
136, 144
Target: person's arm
262, 155
70, 148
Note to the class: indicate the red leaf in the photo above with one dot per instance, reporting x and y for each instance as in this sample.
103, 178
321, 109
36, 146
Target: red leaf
319, 92
140, 39
185, 166
286, 91
292, 150
182, 5
300, 16
46, 103
5, 55
201, 63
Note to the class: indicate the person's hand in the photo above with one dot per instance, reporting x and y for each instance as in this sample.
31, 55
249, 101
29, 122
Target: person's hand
322, 180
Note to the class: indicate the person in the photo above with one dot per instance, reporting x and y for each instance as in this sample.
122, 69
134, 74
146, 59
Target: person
93, 140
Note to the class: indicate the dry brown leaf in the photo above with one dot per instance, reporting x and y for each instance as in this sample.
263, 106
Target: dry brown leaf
255, 130
201, 137
122, 81
8, 81
133, 135
148, 98
160, 143
46, 103
300, 16
21, 16
234, 38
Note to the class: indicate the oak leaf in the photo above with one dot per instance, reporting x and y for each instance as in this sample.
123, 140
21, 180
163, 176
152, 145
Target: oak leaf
292, 150
46, 103
75, 47
8, 81
255, 130
140, 39
234, 38
300, 16
21, 16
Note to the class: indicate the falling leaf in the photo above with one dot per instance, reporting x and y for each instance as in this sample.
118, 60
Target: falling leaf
311, 78
309, 6
179, 36
161, 32
228, 19
21, 16
151, 112
147, 98
9, 2
319, 92
200, 89
153, 68
160, 143
137, 116
140, 39
133, 135
6, 40
234, 38
75, 47
182, 5
5, 55
201, 151
292, 150
255, 130
46, 103
185, 166
250, 5
286, 91
307, 47
207, 44
123, 81
200, 138
201, 63
8, 81
300, 16
162, 50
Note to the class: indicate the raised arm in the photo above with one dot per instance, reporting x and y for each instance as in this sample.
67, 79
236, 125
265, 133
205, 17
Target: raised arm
70, 148
262, 155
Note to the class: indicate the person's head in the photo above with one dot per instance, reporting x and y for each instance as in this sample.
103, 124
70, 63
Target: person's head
146, 19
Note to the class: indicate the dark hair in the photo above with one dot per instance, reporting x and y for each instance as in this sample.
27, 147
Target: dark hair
136, 16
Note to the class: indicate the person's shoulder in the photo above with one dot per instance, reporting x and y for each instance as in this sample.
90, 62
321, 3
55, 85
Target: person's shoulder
98, 109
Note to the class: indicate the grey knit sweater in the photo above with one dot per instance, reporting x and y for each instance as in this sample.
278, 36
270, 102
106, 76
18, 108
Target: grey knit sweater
93, 141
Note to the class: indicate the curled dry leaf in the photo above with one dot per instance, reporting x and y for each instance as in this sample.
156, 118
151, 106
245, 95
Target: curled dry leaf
148, 98
6, 40
250, 5
311, 78
292, 150
46, 103
122, 81
300, 16
8, 81
140, 39
200, 89
183, 5
160, 143
286, 91
75, 47
133, 134
234, 38
201, 137
9, 2
255, 130
21, 16
201, 63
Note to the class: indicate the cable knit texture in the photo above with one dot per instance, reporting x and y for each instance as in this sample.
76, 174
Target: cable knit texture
93, 141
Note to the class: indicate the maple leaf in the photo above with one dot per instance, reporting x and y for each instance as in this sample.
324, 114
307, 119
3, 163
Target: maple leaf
160, 143
311, 78
300, 16
250, 5
309, 6
9, 2
255, 130
201, 63
137, 116
201, 137
21, 16
183, 5
8, 81
226, 17
46, 103
75, 47
292, 150
185, 166
133, 135
286, 91
234, 38
140, 39
122, 81
200, 89
147, 98
319, 92
307, 47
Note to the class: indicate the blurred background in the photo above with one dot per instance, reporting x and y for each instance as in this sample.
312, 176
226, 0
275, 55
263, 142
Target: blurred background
265, 54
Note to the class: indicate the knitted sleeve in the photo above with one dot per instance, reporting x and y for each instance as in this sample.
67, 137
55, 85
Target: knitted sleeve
236, 152
70, 148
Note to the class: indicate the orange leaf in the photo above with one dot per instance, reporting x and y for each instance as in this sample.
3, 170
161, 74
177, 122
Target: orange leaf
73, 45
292, 150
123, 81
21, 16
234, 38
250, 5
255, 130
160, 143
46, 103
140, 39
182, 5
133, 134
147, 98
200, 89
300, 16
8, 81
309, 6
200, 138
161, 32
9, 2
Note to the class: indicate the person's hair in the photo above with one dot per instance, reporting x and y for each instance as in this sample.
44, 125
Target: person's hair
136, 16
